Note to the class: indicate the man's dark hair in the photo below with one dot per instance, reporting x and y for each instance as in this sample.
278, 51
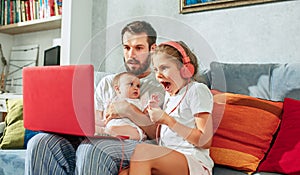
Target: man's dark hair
138, 27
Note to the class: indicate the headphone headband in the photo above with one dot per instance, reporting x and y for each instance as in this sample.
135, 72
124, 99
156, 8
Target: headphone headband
188, 69
177, 46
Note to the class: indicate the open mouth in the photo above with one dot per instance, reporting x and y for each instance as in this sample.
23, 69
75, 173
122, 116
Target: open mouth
166, 85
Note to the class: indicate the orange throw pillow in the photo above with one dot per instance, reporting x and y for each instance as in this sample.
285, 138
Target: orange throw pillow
244, 128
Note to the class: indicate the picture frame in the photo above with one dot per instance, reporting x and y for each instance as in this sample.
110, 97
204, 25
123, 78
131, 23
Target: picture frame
189, 6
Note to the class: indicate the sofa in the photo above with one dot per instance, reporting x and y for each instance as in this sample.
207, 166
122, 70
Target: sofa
256, 120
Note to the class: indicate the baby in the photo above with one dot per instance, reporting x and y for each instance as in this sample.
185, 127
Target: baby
127, 87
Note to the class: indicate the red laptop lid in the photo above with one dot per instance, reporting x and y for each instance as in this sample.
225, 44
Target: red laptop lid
59, 99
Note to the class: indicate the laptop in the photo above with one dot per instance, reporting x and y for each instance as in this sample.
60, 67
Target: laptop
59, 99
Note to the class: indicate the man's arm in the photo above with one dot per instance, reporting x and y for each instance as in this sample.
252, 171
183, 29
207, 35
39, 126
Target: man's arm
99, 122
124, 130
104, 93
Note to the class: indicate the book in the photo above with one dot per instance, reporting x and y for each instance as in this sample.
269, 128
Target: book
47, 10
42, 8
7, 11
31, 10
27, 11
37, 9
23, 12
56, 8
1, 11
18, 11
51, 7
12, 12
59, 4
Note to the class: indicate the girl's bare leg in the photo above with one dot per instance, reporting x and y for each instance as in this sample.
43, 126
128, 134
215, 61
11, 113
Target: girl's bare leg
156, 160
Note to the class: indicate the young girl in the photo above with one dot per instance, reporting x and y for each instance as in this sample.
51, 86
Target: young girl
186, 122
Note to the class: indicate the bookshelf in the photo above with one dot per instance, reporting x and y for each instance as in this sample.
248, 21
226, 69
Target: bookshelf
23, 16
49, 23
75, 32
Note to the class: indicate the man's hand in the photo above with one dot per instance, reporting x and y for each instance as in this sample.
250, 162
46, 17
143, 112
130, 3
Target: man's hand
119, 109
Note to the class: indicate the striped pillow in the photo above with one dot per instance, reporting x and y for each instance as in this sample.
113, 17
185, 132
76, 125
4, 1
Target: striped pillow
244, 128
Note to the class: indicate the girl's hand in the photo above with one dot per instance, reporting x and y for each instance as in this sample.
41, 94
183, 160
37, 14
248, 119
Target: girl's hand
157, 115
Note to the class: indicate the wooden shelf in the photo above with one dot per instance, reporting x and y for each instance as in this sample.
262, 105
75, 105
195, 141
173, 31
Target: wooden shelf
53, 22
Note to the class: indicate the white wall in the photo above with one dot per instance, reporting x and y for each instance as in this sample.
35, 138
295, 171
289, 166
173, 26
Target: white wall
259, 33
43, 38
6, 44
76, 31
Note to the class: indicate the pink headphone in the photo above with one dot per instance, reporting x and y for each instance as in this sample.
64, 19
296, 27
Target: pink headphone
187, 70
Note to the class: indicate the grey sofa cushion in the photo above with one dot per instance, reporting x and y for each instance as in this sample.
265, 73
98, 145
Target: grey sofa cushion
247, 78
220, 170
285, 82
294, 93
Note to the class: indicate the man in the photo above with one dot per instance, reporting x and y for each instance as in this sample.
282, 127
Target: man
56, 154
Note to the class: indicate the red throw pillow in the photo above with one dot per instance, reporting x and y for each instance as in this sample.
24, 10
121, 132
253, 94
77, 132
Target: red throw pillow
244, 128
284, 154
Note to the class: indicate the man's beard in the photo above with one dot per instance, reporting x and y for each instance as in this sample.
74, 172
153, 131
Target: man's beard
143, 67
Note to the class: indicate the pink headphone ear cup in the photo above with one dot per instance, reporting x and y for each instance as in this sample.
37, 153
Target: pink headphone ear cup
187, 70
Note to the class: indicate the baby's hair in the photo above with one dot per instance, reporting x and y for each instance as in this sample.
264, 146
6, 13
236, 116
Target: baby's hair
171, 51
116, 79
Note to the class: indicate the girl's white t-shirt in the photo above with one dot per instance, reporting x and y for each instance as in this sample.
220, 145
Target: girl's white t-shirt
196, 98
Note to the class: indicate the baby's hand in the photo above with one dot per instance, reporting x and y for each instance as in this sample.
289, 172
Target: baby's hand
154, 101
